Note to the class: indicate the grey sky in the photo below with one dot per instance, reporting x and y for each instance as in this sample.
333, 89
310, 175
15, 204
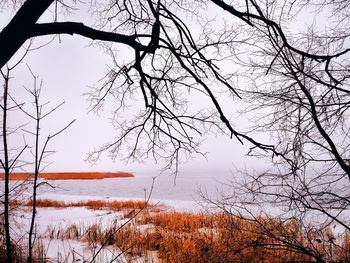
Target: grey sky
68, 67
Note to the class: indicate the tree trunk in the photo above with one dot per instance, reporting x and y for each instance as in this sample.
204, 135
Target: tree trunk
6, 174
13, 36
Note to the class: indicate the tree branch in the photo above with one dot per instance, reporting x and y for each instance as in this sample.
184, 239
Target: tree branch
80, 29
13, 36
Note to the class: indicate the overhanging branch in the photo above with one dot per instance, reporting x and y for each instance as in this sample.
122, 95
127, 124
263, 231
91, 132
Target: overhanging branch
13, 36
80, 29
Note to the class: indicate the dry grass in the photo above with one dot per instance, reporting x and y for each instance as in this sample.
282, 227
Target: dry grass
91, 204
177, 221
200, 237
204, 237
70, 176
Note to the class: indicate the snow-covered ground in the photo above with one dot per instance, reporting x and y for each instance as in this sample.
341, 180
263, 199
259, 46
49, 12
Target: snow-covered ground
178, 193
51, 222
52, 229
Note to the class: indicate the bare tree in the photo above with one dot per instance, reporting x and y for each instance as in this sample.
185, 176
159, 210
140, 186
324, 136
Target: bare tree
12, 155
40, 151
6, 166
297, 91
295, 83
9, 159
175, 59
170, 65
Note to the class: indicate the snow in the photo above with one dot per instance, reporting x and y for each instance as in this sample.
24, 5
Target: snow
50, 221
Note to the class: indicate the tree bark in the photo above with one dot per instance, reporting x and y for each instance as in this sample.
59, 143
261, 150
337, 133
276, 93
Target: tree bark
23, 26
13, 36
80, 29
6, 167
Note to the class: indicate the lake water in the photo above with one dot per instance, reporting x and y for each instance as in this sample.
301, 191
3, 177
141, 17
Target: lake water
180, 192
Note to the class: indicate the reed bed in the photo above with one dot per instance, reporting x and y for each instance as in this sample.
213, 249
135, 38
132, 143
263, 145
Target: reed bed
91, 204
174, 236
70, 176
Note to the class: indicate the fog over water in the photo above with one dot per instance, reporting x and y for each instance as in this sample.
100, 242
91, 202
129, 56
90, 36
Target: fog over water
182, 187
180, 192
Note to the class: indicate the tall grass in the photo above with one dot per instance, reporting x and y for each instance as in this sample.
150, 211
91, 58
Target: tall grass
91, 204
160, 235
201, 237
70, 176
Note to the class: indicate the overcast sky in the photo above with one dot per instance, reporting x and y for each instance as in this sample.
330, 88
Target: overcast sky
67, 68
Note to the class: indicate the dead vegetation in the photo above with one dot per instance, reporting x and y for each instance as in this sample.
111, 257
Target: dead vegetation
69, 176
199, 237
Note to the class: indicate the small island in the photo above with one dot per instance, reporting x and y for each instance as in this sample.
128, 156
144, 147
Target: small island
71, 175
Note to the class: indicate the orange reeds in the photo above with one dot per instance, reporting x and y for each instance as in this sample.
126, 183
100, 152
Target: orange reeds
71, 176
177, 221
198, 238
46, 203
91, 204
202, 237
112, 205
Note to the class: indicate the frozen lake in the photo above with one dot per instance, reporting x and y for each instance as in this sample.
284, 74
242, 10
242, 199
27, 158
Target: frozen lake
180, 192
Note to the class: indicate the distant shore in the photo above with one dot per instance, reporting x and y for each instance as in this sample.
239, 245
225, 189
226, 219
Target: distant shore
70, 175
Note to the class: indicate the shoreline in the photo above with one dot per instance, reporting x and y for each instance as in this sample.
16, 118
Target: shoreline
69, 175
